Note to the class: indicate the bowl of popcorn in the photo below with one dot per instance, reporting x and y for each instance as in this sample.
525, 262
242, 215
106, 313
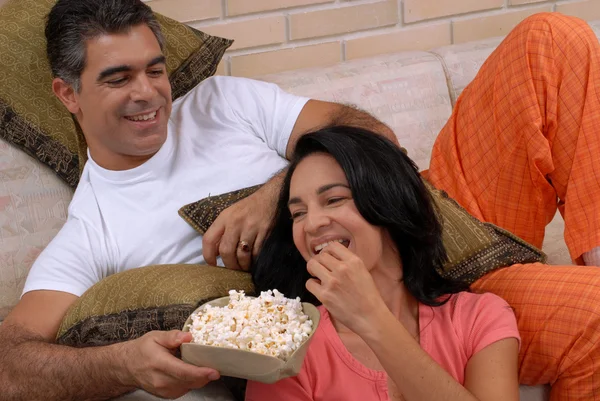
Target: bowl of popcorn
262, 338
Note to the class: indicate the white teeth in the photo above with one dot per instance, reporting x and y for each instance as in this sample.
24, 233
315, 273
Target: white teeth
143, 117
320, 247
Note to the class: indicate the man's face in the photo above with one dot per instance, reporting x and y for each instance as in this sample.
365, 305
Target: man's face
124, 102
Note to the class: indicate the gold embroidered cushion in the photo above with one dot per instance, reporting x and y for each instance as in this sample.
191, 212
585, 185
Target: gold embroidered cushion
474, 248
33, 119
203, 213
129, 304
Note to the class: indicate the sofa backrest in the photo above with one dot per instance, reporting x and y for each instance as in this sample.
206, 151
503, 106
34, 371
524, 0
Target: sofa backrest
33, 207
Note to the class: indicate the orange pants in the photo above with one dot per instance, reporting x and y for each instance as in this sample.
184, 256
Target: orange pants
524, 140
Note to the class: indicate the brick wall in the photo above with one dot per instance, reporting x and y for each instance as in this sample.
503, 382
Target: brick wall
278, 35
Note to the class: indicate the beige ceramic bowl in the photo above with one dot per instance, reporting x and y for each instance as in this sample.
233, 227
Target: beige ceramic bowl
246, 364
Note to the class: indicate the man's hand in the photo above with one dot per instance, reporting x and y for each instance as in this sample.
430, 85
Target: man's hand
151, 363
239, 231
33, 367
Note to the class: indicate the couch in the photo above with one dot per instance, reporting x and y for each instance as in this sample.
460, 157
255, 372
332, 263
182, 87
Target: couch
413, 92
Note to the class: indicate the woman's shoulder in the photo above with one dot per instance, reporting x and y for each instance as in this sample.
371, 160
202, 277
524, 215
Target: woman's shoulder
479, 319
470, 313
473, 303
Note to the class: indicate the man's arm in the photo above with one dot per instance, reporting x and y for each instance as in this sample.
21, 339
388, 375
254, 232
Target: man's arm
250, 219
32, 367
317, 114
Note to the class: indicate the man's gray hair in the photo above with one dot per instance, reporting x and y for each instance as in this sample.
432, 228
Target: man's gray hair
71, 23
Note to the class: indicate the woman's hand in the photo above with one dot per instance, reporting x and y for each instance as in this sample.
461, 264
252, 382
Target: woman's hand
345, 287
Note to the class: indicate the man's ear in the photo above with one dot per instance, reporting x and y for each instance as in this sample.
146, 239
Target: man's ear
66, 94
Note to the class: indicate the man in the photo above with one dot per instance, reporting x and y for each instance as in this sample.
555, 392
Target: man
148, 157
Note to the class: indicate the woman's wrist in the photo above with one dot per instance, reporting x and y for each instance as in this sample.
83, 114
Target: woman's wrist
376, 324
382, 328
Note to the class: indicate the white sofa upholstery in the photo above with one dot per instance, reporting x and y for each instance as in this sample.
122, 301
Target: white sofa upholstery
412, 92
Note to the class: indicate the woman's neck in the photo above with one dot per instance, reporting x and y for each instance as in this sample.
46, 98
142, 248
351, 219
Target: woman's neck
399, 301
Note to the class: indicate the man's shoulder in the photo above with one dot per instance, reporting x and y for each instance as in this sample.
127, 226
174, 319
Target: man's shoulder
222, 81
224, 86
84, 205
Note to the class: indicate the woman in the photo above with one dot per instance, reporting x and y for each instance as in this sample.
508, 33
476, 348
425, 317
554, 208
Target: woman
356, 231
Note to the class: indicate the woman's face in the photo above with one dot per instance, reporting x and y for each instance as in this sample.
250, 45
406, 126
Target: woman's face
323, 210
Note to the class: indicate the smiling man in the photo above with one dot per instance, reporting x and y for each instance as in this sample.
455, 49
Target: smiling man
123, 98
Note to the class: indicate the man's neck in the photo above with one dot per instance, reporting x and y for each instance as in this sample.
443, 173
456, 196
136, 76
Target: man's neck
118, 162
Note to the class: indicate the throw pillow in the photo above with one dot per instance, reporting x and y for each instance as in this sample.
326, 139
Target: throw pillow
203, 213
129, 304
474, 248
33, 119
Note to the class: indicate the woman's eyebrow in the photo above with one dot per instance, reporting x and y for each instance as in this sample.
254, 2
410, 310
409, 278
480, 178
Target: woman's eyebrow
322, 189
327, 187
294, 200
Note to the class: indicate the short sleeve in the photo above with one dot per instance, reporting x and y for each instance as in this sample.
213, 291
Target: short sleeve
485, 319
264, 108
70, 263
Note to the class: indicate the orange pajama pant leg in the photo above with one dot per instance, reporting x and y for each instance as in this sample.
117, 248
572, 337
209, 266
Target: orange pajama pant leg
524, 136
558, 314
524, 140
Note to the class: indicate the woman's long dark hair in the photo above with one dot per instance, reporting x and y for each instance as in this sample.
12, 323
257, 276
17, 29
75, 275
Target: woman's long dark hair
388, 192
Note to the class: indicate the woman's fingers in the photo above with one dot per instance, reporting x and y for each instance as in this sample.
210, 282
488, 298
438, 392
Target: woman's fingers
317, 269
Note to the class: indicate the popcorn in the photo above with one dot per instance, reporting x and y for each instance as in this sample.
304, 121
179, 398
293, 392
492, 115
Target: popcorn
270, 324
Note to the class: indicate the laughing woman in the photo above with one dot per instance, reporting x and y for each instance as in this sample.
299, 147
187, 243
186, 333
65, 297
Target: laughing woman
357, 232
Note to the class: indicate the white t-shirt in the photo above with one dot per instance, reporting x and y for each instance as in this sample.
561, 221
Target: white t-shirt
227, 133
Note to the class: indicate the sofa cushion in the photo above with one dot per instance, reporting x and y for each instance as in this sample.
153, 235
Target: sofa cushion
32, 118
201, 214
462, 62
407, 91
33, 207
129, 304
213, 391
475, 248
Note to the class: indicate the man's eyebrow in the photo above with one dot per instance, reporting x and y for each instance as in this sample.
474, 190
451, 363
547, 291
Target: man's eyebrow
321, 190
157, 60
124, 68
111, 71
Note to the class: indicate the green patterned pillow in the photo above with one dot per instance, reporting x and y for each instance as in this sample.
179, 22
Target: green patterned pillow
127, 305
33, 119
474, 248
